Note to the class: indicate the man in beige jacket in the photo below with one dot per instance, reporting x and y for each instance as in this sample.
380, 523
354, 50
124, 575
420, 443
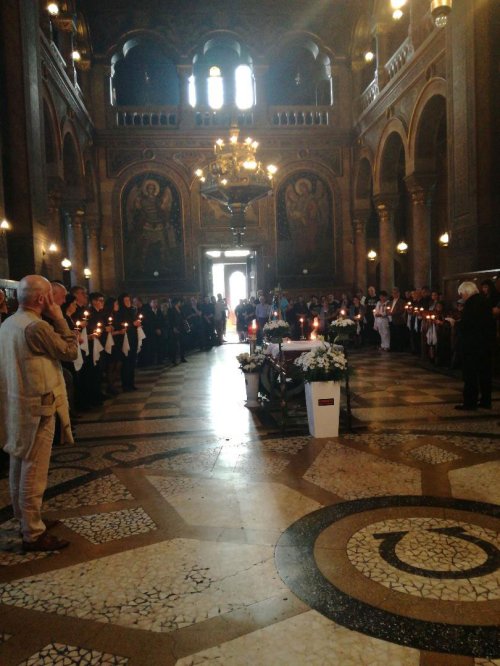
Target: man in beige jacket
32, 391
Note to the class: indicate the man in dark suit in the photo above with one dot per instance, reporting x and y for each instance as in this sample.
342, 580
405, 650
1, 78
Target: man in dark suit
397, 322
476, 329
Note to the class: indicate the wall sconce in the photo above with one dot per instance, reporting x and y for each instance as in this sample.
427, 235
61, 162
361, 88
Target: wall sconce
5, 225
76, 55
66, 264
372, 255
87, 273
402, 247
369, 56
53, 248
444, 239
53, 8
397, 14
439, 12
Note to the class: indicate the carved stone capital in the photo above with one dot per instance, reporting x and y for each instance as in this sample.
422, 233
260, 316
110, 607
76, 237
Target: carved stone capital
418, 186
385, 205
64, 22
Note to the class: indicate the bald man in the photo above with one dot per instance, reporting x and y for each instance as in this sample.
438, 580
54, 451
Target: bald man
32, 391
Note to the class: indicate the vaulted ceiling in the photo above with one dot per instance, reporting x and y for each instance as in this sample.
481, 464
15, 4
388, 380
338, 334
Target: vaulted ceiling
259, 23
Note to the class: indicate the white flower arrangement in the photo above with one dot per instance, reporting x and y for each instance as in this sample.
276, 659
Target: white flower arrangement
251, 362
277, 329
343, 327
322, 364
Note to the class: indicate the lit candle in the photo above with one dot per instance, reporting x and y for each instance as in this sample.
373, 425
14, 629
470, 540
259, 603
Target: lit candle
85, 314
342, 312
301, 320
313, 335
125, 325
254, 325
275, 313
141, 317
110, 320
78, 325
315, 322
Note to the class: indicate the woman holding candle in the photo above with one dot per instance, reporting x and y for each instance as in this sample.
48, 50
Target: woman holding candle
113, 353
129, 321
381, 325
357, 314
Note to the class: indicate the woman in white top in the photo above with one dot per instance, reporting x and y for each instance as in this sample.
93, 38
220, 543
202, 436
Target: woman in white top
381, 325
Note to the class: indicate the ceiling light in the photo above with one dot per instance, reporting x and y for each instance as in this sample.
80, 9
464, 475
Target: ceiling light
397, 4
439, 11
444, 239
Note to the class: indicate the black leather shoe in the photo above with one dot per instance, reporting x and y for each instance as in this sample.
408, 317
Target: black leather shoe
465, 408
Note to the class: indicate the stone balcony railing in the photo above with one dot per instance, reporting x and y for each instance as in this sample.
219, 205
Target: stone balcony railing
399, 59
300, 116
129, 116
174, 117
368, 96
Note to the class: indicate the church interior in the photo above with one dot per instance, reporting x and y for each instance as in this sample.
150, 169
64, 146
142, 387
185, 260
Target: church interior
366, 139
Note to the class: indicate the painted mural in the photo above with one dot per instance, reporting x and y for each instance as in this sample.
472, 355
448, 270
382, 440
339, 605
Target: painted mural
152, 227
305, 226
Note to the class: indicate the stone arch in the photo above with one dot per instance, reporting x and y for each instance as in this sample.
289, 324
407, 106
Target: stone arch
392, 142
143, 71
72, 164
363, 181
428, 114
300, 71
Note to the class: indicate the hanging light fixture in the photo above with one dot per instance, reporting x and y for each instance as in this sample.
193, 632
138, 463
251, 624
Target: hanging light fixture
53, 8
397, 14
66, 264
372, 255
402, 247
87, 273
235, 178
444, 239
369, 56
5, 225
440, 10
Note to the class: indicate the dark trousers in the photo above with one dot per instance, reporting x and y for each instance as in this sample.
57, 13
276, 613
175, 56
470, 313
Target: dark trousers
477, 374
128, 369
398, 337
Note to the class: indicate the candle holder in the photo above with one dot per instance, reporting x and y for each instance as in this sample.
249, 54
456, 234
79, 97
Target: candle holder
302, 336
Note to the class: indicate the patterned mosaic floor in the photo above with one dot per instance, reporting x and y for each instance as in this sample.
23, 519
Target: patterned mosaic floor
199, 535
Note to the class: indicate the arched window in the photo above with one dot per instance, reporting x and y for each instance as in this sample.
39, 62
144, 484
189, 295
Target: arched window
215, 88
143, 75
300, 74
244, 85
222, 75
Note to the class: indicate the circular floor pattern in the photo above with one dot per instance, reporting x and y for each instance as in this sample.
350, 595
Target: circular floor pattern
418, 571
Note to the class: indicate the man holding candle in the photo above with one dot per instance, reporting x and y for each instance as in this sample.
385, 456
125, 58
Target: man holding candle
32, 391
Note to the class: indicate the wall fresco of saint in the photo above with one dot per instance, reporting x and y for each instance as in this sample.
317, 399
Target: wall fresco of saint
153, 240
305, 226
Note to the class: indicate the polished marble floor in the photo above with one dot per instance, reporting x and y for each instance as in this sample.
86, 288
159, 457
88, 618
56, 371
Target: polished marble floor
202, 534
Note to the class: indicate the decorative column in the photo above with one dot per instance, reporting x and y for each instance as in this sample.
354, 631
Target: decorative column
261, 105
418, 188
93, 252
383, 52
74, 228
359, 228
385, 206
186, 111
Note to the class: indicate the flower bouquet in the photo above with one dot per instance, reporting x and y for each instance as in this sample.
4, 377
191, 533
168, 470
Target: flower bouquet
322, 364
342, 328
251, 362
276, 330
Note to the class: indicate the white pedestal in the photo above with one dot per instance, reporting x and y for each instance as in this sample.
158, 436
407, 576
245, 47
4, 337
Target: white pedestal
252, 387
323, 408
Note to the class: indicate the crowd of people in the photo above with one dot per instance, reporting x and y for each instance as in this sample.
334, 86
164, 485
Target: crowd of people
67, 351
416, 321
118, 334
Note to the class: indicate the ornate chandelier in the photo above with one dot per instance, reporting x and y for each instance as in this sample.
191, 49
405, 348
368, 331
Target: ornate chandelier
235, 178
